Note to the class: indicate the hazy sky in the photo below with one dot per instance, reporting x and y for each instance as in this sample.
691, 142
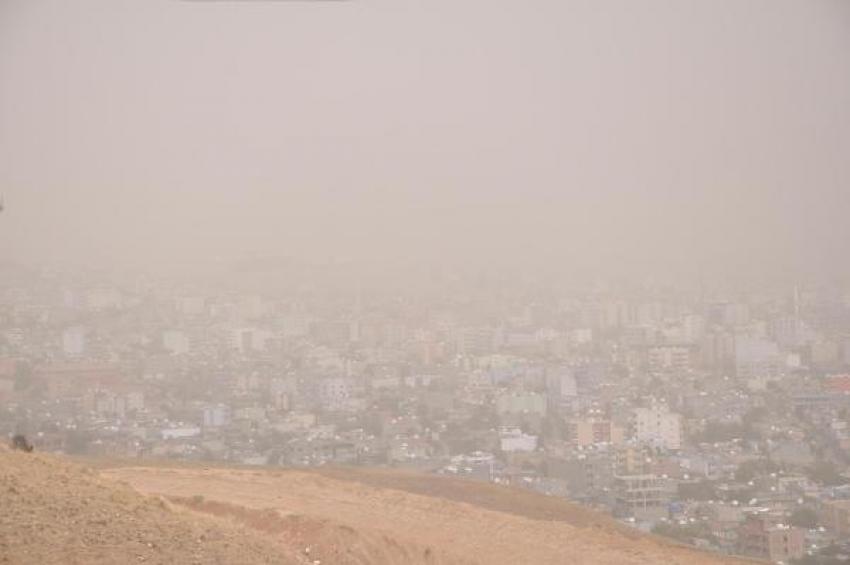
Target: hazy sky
598, 135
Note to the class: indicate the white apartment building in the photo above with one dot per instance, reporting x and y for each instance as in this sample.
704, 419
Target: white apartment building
657, 426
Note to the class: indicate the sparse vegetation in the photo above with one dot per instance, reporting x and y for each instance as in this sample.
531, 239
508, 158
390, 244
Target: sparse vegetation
826, 473
804, 518
20, 443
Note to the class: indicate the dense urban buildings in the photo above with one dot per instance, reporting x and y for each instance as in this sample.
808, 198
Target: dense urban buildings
719, 418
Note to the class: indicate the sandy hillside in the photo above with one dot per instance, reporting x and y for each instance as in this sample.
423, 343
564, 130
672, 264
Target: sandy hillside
55, 512
351, 516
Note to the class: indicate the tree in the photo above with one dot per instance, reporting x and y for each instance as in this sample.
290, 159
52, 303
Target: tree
825, 473
716, 432
685, 533
748, 470
804, 518
701, 490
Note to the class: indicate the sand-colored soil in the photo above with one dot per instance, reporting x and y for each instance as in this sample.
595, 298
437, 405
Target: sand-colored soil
55, 512
352, 516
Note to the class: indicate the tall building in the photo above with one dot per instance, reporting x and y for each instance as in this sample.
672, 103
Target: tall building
728, 314
669, 358
756, 356
246, 340
74, 341
589, 431
561, 383
658, 427
175, 341
835, 516
475, 340
717, 350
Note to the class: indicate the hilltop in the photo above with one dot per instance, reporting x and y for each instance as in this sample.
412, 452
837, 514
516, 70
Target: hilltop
355, 516
58, 511
53, 511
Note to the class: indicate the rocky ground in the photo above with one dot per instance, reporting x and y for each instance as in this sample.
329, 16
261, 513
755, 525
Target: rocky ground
378, 517
52, 511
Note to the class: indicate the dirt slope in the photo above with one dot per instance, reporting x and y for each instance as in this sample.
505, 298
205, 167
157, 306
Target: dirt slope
52, 511
352, 516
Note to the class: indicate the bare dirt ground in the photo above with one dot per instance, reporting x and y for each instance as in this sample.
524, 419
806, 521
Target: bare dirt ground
52, 511
355, 516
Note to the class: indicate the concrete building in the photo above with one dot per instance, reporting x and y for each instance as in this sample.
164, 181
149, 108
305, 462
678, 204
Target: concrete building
335, 393
717, 350
658, 427
246, 340
175, 342
728, 314
74, 341
521, 403
561, 383
835, 516
586, 432
190, 305
513, 440
475, 340
588, 474
759, 537
668, 358
644, 497
216, 416
103, 298
754, 356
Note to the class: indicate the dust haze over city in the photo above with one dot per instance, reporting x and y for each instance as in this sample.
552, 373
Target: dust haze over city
374, 281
